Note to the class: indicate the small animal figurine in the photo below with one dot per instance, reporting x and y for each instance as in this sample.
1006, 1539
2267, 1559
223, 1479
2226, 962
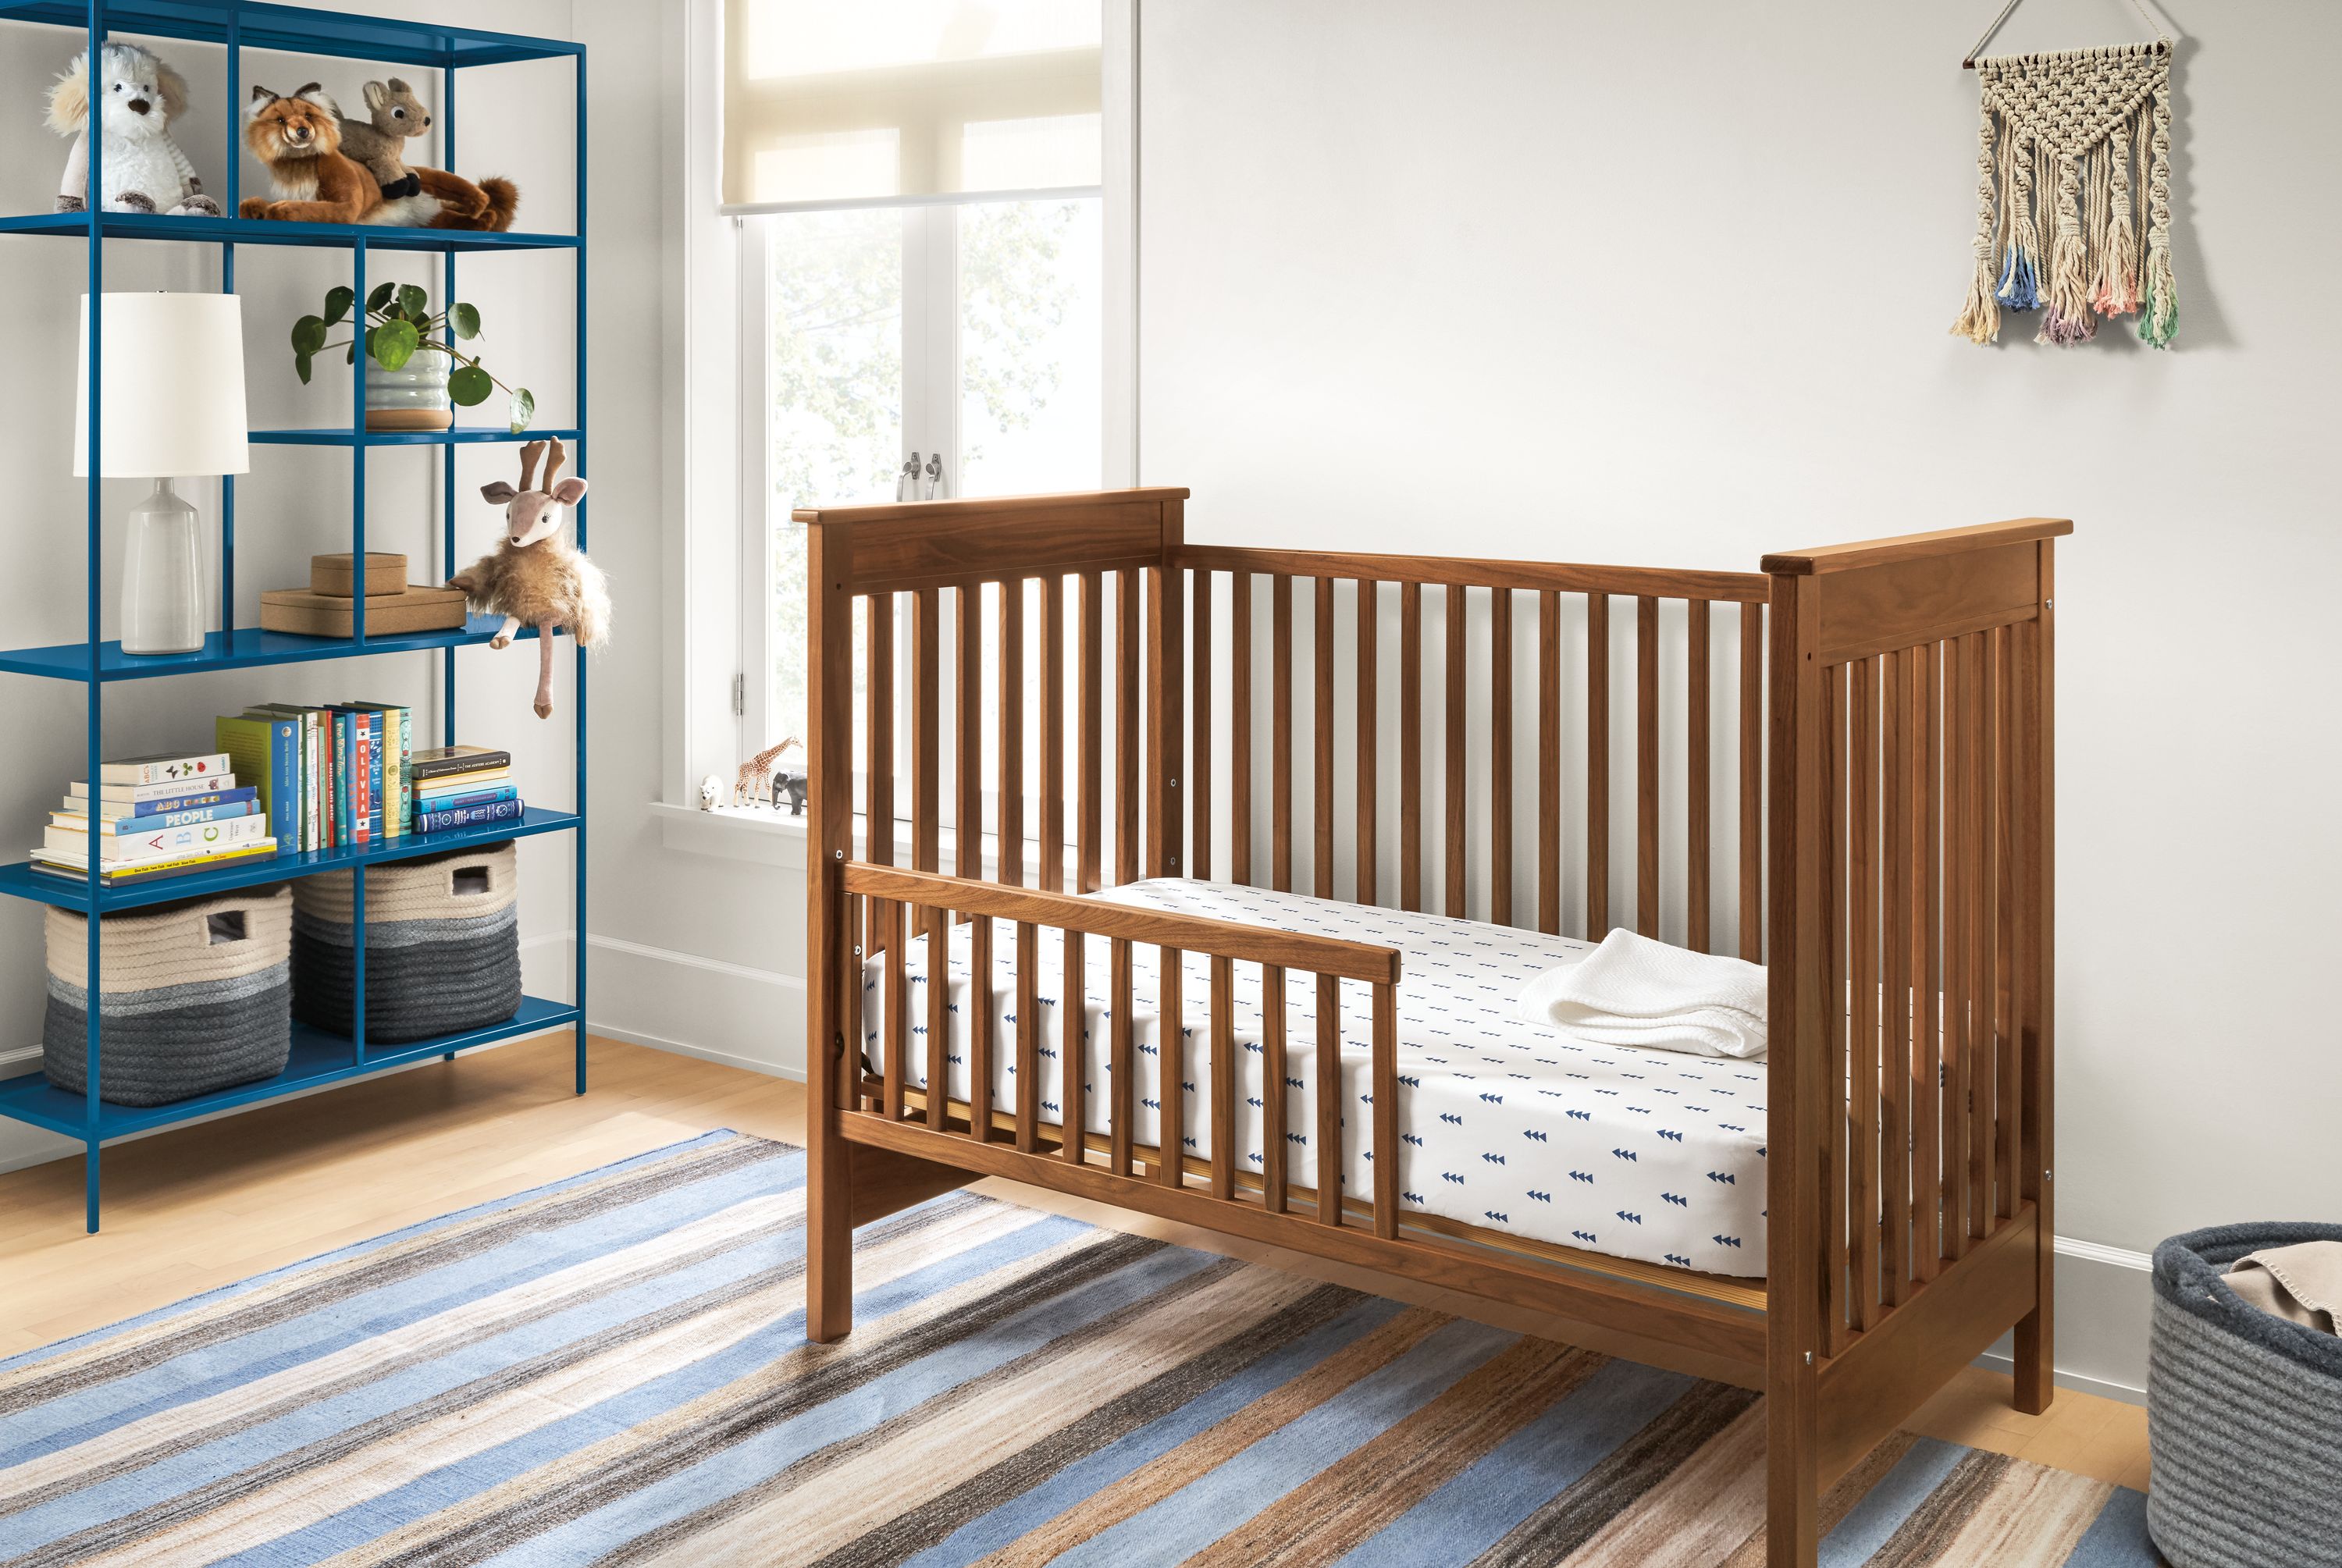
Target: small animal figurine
412, 194
299, 139
141, 169
534, 579
757, 774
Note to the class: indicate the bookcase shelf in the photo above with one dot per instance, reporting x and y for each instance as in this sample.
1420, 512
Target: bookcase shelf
21, 880
244, 649
318, 1059
192, 230
462, 435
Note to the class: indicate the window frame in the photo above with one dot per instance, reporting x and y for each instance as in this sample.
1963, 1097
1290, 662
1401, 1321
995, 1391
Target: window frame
718, 669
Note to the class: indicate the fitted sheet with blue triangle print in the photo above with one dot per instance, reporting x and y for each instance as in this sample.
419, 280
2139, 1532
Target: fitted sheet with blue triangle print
1503, 1123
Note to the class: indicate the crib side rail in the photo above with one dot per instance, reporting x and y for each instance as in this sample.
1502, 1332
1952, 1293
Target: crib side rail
1518, 684
905, 905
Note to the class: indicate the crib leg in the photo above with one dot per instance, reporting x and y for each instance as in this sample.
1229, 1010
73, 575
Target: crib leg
829, 1229
2036, 1368
1792, 1464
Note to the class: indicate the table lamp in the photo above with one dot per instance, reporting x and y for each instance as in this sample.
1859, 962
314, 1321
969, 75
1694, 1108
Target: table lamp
173, 408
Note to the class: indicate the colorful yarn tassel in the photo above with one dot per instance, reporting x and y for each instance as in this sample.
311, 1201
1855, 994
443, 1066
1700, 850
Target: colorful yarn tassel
2068, 320
2020, 287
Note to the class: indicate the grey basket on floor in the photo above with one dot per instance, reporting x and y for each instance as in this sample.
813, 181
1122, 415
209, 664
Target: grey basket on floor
442, 945
193, 995
2244, 1414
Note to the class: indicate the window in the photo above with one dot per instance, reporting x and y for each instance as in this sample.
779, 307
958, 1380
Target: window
965, 337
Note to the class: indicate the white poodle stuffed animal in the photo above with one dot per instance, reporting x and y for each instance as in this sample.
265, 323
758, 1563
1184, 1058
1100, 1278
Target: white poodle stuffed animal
140, 168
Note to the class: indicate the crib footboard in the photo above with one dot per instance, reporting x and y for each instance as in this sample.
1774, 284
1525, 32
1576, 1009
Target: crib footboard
1909, 945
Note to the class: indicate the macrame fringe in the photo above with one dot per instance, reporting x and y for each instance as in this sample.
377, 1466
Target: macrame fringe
2117, 290
2158, 320
2074, 195
1979, 318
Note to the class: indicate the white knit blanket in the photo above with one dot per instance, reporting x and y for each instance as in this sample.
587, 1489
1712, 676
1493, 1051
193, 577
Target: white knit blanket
1633, 991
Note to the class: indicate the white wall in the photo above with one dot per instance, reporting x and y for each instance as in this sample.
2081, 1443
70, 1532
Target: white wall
1669, 285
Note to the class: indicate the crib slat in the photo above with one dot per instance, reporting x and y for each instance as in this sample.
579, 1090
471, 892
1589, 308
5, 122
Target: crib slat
1895, 979
1321, 773
1028, 1037
2016, 934
1276, 1180
1386, 1080
1696, 849
890, 917
1953, 1108
1171, 1061
1752, 783
1983, 940
1457, 607
1848, 1196
1090, 699
1548, 768
926, 719
856, 1037
1126, 727
1500, 761
1329, 1101
1073, 1049
1410, 745
967, 727
1224, 1078
982, 1020
938, 972
1008, 805
878, 744
1240, 728
1873, 1121
1280, 723
1365, 876
1598, 766
1199, 730
1122, 1098
1050, 787
1926, 1013
1646, 765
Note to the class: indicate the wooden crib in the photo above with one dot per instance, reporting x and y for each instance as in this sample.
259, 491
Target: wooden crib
1888, 803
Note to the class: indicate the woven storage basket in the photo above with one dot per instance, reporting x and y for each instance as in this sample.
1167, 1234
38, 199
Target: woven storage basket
2244, 1414
192, 996
442, 945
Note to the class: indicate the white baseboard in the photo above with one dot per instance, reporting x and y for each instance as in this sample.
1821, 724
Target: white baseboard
2104, 1296
701, 1053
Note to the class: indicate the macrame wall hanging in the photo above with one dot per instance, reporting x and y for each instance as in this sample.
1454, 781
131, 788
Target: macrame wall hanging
2074, 191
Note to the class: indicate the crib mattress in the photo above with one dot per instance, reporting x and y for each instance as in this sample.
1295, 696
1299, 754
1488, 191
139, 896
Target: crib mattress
1503, 1124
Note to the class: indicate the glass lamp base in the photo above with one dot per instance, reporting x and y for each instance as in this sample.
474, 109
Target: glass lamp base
161, 578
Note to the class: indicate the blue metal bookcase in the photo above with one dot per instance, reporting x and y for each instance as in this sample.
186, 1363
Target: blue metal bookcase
318, 1059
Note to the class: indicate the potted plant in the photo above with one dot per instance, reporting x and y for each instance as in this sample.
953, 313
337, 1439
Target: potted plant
414, 380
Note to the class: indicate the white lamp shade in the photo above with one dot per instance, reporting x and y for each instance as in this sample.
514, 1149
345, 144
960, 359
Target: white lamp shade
173, 387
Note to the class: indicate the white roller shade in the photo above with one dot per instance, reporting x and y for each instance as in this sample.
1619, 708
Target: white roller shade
908, 100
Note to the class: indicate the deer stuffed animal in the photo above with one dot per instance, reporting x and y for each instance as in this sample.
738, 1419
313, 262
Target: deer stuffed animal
533, 578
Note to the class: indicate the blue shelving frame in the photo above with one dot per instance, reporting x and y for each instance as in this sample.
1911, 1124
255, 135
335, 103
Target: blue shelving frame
317, 1059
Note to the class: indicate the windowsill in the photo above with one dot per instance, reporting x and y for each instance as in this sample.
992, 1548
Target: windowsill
759, 836
754, 836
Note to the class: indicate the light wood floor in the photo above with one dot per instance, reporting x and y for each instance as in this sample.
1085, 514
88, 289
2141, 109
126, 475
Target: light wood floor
206, 1205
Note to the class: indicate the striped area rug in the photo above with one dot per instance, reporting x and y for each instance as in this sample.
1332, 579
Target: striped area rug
612, 1370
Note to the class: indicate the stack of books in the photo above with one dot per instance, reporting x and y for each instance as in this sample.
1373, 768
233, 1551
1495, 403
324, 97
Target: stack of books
461, 786
156, 817
329, 777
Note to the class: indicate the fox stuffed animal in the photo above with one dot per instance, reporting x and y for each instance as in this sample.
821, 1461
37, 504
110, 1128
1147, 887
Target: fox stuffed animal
299, 139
